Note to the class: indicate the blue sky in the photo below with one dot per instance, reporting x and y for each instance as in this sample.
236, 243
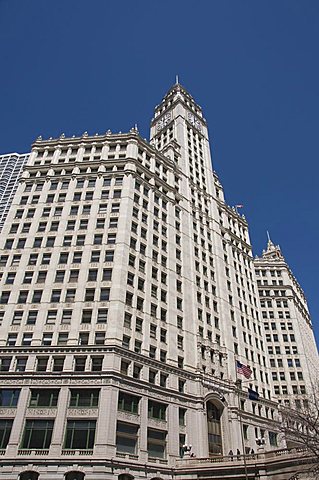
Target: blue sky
74, 65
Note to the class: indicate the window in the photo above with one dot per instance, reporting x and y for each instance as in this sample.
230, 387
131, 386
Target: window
64, 257
97, 363
12, 339
80, 240
95, 256
66, 316
9, 397
128, 402
42, 276
104, 294
80, 434
37, 434
27, 339
42, 363
109, 255
46, 258
156, 443
37, 294
79, 364
102, 315
44, 397
32, 317
55, 295
23, 295
77, 257
47, 339
157, 410
4, 297
83, 338
107, 275
92, 275
17, 318
126, 437
84, 397
273, 439
10, 278
63, 338
5, 363
58, 363
99, 338
5, 431
70, 295
89, 295
111, 238
59, 276
181, 416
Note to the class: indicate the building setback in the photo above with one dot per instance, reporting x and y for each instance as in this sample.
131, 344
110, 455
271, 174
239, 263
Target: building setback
128, 297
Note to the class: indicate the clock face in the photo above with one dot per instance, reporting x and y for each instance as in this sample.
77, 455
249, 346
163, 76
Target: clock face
164, 121
194, 121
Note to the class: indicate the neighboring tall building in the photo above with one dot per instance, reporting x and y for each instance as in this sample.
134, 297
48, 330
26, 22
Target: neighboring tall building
11, 168
128, 297
289, 335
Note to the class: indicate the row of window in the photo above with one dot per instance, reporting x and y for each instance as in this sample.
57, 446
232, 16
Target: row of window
93, 274
282, 376
80, 183
290, 362
285, 337
57, 211
86, 398
46, 258
93, 363
26, 296
64, 316
43, 225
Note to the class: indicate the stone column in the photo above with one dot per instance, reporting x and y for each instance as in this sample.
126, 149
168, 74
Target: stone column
16, 433
59, 423
105, 439
143, 429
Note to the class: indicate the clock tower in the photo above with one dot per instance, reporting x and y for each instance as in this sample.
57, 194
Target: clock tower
179, 127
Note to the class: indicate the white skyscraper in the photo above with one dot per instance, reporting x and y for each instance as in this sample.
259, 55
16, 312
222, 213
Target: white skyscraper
128, 299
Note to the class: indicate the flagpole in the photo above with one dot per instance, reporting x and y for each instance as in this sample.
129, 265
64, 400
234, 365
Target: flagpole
241, 423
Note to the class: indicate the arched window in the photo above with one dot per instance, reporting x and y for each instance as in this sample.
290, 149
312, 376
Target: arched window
29, 476
215, 444
74, 476
125, 476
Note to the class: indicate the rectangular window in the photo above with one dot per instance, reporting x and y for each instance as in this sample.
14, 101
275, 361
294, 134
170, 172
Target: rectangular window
5, 363
9, 397
156, 443
44, 397
37, 434
126, 437
79, 364
80, 434
84, 397
102, 315
128, 402
58, 363
157, 410
47, 339
5, 431
42, 363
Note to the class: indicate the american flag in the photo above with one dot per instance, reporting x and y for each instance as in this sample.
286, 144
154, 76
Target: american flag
243, 369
